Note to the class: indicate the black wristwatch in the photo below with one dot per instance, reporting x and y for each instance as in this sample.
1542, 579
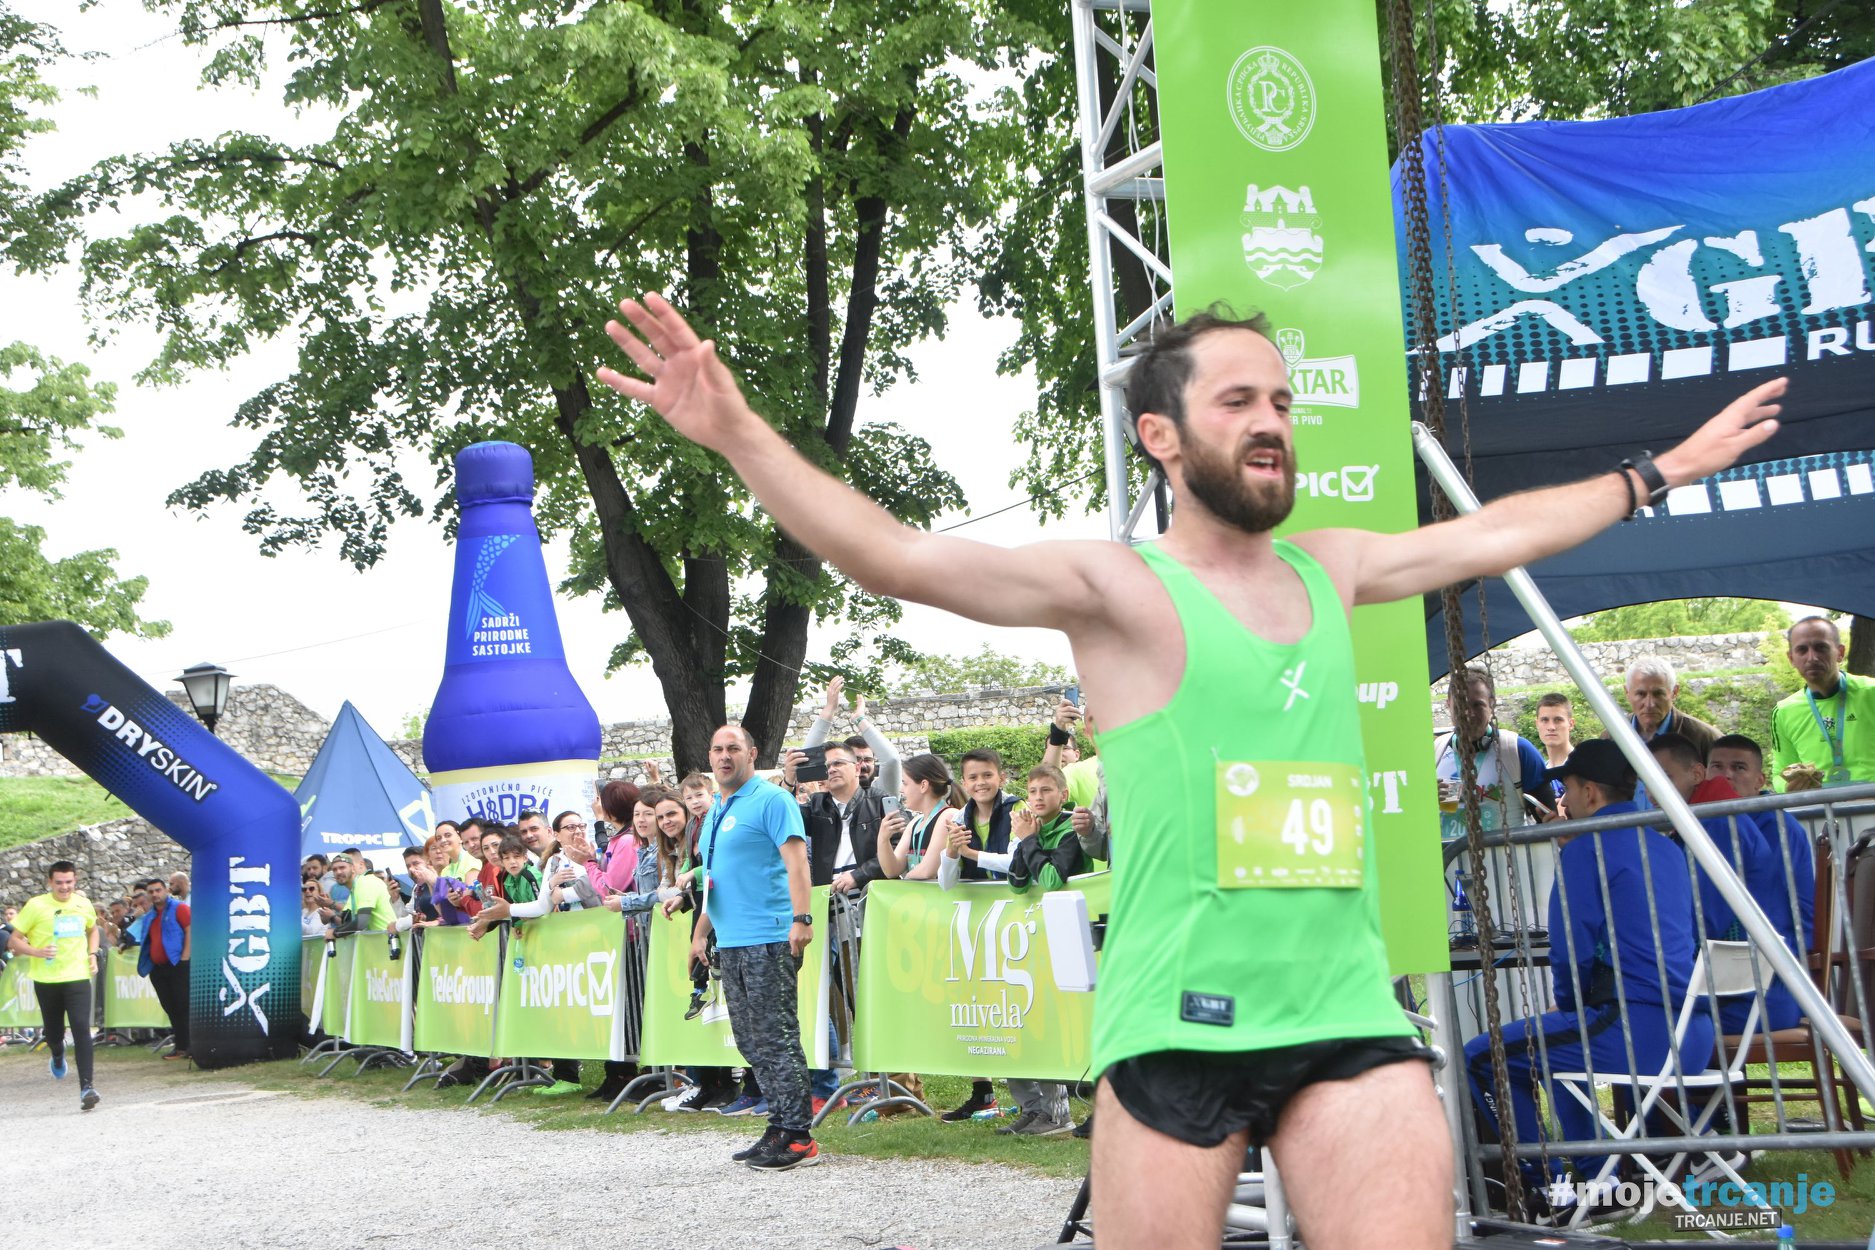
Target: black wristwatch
804, 919
1656, 482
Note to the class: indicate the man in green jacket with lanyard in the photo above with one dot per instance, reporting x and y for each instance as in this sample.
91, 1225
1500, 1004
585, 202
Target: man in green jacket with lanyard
1244, 993
1825, 723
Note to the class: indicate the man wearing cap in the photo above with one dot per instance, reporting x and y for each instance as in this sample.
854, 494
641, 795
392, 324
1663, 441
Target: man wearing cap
1606, 961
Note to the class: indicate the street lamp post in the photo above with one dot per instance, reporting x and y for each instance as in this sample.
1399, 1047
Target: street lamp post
207, 686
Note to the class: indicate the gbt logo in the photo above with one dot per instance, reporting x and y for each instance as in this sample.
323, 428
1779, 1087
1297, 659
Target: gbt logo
1351, 483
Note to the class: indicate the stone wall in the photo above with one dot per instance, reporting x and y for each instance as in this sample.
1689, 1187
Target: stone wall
109, 857
1533, 664
268, 726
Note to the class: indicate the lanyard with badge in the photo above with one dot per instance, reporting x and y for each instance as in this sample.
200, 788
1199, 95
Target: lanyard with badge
1839, 771
1289, 824
709, 856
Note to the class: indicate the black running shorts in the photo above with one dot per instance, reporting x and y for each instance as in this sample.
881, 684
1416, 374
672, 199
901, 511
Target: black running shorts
1202, 1098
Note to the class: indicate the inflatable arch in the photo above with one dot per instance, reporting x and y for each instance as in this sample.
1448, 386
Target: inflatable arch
240, 826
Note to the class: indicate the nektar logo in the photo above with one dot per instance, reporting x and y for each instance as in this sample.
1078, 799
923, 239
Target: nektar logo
151, 749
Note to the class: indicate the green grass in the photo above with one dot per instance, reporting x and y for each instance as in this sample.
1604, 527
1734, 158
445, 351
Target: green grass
32, 808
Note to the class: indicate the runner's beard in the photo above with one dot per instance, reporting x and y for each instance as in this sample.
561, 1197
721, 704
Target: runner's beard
1216, 482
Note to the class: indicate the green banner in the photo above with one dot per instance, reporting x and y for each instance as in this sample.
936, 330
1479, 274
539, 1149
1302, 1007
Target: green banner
1278, 199
380, 993
456, 990
706, 1039
960, 981
336, 999
559, 995
19, 1003
129, 999
312, 966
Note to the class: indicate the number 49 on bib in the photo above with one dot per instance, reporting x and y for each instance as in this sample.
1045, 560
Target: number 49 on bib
1289, 824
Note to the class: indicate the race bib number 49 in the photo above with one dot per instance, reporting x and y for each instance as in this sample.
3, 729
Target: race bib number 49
1288, 824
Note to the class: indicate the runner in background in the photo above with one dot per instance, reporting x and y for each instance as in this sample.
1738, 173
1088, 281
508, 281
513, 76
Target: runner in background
1237, 1003
58, 932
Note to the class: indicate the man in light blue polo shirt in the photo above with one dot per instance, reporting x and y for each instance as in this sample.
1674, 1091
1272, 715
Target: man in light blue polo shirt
753, 849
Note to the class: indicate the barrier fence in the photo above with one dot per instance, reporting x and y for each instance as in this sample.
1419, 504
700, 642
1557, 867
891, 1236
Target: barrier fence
1724, 1058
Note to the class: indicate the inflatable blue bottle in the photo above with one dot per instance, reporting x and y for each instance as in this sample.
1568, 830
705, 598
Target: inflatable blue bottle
509, 730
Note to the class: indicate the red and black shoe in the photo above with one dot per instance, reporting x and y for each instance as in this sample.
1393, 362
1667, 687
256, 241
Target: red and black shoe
788, 1151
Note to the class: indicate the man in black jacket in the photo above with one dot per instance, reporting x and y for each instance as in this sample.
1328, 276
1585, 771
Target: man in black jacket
842, 823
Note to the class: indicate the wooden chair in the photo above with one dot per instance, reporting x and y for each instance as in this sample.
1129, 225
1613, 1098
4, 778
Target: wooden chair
1831, 959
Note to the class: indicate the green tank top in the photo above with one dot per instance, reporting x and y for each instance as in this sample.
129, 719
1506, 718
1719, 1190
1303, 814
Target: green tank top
1240, 828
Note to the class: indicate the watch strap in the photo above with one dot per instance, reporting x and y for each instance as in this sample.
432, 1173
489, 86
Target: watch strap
1650, 475
804, 918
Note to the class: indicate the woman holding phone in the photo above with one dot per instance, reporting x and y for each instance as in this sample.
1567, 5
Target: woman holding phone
910, 826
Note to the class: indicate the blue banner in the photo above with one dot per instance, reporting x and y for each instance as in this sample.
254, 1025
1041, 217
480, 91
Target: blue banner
1611, 284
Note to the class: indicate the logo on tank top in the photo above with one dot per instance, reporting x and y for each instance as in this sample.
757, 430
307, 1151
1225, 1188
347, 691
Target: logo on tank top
1292, 682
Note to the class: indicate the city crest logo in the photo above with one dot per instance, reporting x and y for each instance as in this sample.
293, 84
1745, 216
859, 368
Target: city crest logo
1282, 243
1271, 99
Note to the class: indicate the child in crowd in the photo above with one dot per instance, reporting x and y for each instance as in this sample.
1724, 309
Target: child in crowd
1045, 853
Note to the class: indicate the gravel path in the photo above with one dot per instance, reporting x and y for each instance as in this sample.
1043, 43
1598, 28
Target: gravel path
246, 1177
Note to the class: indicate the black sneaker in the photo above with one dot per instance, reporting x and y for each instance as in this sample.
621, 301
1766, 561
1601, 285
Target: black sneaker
88, 1099
690, 1098
696, 1005
1085, 1129
978, 1102
764, 1142
788, 1152
608, 1089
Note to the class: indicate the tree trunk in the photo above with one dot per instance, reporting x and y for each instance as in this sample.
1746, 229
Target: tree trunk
1861, 657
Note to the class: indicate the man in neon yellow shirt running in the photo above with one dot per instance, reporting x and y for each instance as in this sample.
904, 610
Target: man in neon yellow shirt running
1830, 723
58, 932
1244, 993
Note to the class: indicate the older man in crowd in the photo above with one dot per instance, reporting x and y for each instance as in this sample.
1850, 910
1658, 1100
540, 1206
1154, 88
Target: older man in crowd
1821, 724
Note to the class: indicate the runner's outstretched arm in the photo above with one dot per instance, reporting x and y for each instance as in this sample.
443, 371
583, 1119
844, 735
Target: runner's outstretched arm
1040, 585
1524, 528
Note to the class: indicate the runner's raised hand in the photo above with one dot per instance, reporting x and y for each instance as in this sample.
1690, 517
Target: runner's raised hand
689, 386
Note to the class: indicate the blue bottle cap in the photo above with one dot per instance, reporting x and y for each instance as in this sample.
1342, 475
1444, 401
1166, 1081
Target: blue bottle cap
494, 473
1786, 1233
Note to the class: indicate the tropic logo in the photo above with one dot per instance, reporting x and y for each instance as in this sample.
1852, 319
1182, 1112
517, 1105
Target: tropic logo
171, 766
1282, 243
589, 984
1000, 947
1271, 99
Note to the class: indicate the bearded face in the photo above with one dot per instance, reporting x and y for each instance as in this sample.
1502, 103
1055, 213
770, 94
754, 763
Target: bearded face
1217, 480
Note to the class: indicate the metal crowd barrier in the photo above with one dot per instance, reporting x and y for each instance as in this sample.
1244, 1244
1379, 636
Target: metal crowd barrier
865, 1091
1782, 1070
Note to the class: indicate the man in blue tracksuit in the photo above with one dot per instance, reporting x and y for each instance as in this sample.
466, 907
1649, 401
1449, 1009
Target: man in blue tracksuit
1606, 962
1741, 840
1740, 760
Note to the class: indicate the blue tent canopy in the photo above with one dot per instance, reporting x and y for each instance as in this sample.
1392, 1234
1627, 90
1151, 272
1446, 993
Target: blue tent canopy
1603, 287
359, 793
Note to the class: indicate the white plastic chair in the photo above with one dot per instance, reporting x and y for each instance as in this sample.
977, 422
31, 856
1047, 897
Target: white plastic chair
1723, 970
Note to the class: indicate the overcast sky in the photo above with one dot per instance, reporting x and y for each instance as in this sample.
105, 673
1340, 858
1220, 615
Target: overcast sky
306, 621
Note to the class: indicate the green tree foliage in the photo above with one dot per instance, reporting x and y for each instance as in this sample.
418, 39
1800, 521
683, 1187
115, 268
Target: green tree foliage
46, 405
801, 177
1682, 618
944, 673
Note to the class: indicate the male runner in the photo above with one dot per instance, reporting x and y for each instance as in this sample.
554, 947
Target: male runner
57, 932
1221, 661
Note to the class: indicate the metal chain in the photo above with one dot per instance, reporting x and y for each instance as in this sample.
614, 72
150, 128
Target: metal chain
1429, 379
